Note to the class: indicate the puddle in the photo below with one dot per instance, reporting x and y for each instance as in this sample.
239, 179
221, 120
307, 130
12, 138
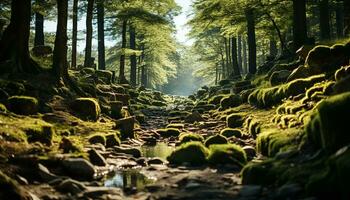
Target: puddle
131, 178
160, 150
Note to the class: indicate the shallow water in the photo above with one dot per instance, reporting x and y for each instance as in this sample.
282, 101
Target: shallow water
160, 150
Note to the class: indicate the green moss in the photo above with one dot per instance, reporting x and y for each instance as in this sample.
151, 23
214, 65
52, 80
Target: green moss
178, 126
70, 146
215, 139
230, 101
97, 138
159, 103
254, 127
235, 120
259, 173
3, 108
87, 108
227, 154
112, 140
116, 109
40, 133
169, 132
23, 105
216, 99
230, 132
189, 137
193, 153
329, 127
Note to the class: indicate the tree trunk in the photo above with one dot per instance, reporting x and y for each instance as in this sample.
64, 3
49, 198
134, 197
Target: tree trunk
245, 56
74, 34
251, 40
216, 74
273, 48
239, 53
227, 58
14, 42
339, 15
133, 58
122, 78
235, 66
88, 45
101, 35
39, 29
60, 50
324, 20
346, 18
299, 24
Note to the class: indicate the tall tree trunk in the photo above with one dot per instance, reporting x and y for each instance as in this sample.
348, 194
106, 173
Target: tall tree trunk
251, 40
74, 34
339, 15
234, 57
133, 58
39, 29
122, 78
227, 58
88, 45
299, 23
60, 50
273, 48
239, 53
245, 56
14, 41
346, 18
324, 20
216, 74
223, 65
101, 35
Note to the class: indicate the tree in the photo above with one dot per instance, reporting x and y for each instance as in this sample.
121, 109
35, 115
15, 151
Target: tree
122, 78
88, 45
101, 35
299, 23
251, 40
14, 42
236, 71
74, 34
39, 27
324, 20
133, 59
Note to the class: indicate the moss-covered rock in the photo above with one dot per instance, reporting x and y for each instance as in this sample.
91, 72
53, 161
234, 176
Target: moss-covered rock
235, 120
195, 116
23, 105
215, 139
279, 77
104, 75
230, 101
216, 99
327, 128
10, 189
169, 132
41, 133
3, 108
231, 132
177, 125
87, 108
116, 109
69, 146
112, 140
159, 103
126, 127
97, 138
190, 137
227, 154
259, 173
193, 153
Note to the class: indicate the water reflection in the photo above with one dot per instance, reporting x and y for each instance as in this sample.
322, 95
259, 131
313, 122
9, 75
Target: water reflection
160, 150
131, 178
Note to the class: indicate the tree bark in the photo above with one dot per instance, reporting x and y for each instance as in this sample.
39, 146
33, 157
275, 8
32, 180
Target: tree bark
74, 34
39, 38
122, 78
324, 20
299, 24
88, 45
239, 52
245, 56
101, 35
234, 57
346, 18
133, 58
14, 42
273, 48
60, 50
227, 58
251, 40
339, 15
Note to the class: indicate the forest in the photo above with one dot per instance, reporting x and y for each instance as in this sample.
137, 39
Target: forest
174, 99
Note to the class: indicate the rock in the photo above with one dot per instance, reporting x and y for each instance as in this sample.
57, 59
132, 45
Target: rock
42, 50
42, 133
227, 154
279, 77
3, 108
112, 140
155, 161
87, 70
126, 126
169, 132
215, 139
87, 108
68, 146
97, 138
290, 190
10, 189
250, 151
303, 52
104, 75
45, 174
188, 137
193, 153
123, 98
231, 101
79, 167
70, 186
134, 152
194, 117
23, 105
116, 108
250, 191
230, 132
96, 158
235, 120
239, 86
3, 94
103, 193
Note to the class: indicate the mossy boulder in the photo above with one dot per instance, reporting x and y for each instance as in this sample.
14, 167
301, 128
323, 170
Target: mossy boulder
279, 77
69, 146
190, 137
169, 132
227, 154
10, 189
126, 127
97, 138
215, 139
159, 103
235, 120
23, 105
193, 153
259, 173
195, 116
231, 101
178, 126
216, 99
135, 152
104, 75
42, 133
116, 109
327, 129
86, 108
231, 132
3, 108
112, 140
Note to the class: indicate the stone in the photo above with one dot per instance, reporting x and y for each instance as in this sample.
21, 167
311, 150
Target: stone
96, 158
70, 186
43, 134
231, 101
68, 146
104, 75
235, 120
134, 152
126, 127
231, 132
250, 151
194, 117
45, 174
87, 108
215, 139
155, 161
123, 98
79, 168
279, 77
23, 105
193, 153
112, 140
116, 109
97, 138
290, 190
